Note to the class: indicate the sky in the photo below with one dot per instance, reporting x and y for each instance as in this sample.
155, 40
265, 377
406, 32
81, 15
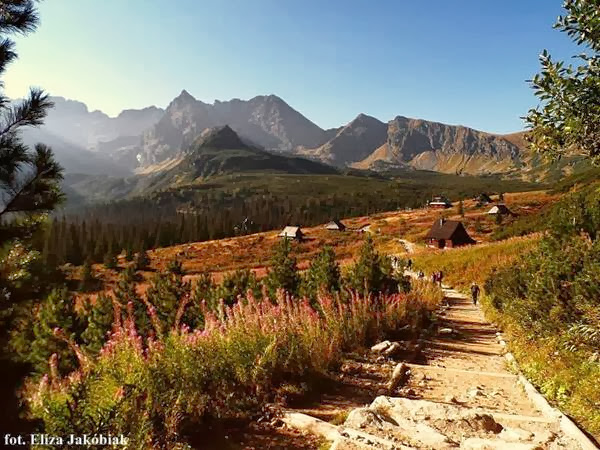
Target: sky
453, 61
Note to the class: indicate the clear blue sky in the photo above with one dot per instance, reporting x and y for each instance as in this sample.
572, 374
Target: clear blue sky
454, 61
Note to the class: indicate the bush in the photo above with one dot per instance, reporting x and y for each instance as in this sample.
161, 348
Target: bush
549, 300
372, 272
323, 275
283, 271
49, 329
236, 285
175, 267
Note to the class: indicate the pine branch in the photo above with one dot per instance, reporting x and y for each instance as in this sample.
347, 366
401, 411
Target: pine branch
13, 155
7, 54
18, 16
30, 112
40, 193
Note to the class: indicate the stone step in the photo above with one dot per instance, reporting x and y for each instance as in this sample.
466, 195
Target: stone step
424, 424
404, 424
416, 367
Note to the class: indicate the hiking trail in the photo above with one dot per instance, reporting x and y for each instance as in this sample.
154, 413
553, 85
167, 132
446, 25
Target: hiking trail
455, 391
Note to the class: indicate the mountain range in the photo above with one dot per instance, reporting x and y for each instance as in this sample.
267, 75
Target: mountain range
146, 140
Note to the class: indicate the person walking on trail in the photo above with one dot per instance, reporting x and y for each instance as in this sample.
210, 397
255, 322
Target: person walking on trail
474, 292
409, 264
440, 277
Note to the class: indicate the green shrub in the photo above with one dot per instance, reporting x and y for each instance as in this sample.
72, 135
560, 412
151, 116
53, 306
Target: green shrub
548, 301
283, 270
323, 275
371, 272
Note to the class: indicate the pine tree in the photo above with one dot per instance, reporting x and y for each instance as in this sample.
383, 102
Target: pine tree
175, 267
129, 255
323, 274
56, 311
372, 272
29, 180
283, 270
98, 322
126, 293
87, 275
166, 292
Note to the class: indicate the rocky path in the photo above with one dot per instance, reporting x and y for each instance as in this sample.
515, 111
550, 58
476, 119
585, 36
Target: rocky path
458, 394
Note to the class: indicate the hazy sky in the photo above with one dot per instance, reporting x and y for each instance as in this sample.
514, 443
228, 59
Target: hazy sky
454, 61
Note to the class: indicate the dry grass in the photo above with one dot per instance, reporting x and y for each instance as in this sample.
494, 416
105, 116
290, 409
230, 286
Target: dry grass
463, 266
253, 252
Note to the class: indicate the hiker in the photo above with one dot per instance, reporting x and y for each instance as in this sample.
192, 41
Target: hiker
474, 292
434, 277
440, 277
409, 264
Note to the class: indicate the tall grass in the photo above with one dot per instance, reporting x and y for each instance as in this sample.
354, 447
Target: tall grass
463, 265
156, 390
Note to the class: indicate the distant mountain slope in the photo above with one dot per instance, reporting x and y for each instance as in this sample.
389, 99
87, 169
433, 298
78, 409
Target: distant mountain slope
220, 150
74, 158
351, 143
74, 123
264, 120
443, 148
217, 151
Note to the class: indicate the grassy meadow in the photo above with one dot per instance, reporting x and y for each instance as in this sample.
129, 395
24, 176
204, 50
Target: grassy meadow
463, 266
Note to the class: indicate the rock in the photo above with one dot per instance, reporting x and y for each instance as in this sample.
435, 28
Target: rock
495, 444
379, 348
484, 422
380, 360
364, 417
393, 349
308, 424
475, 392
516, 435
594, 357
409, 393
445, 331
543, 437
399, 376
451, 399
382, 391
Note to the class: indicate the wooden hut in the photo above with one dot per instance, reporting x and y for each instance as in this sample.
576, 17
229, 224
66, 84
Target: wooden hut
440, 202
292, 233
335, 225
448, 233
500, 209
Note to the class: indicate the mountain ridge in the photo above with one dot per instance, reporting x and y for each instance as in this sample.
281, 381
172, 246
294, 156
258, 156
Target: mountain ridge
137, 139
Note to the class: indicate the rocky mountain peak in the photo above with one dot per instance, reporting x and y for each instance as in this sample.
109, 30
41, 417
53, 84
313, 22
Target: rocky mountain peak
221, 138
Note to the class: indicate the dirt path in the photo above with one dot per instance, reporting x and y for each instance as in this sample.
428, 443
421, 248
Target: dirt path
457, 393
